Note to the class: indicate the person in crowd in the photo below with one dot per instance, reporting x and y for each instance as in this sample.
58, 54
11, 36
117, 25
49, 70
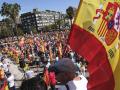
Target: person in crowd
35, 83
72, 56
65, 71
5, 65
29, 74
11, 82
48, 63
3, 81
1, 64
52, 79
56, 58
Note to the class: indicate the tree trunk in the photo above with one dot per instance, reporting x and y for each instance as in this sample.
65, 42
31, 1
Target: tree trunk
59, 25
15, 30
70, 23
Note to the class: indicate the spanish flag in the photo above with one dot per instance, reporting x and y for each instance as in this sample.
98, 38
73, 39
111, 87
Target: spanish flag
5, 86
95, 36
46, 77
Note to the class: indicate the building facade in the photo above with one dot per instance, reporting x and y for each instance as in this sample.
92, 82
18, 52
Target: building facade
39, 19
28, 20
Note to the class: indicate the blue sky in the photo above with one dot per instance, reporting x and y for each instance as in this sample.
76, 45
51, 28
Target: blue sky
56, 5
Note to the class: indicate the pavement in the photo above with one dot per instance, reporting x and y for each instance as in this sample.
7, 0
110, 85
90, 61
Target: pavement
13, 68
18, 73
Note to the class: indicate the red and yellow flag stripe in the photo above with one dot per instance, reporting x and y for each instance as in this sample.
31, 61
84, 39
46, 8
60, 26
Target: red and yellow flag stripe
95, 36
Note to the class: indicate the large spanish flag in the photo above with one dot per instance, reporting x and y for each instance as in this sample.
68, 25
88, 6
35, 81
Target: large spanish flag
95, 36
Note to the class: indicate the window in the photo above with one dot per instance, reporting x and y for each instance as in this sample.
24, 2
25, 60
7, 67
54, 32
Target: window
28, 21
36, 15
32, 15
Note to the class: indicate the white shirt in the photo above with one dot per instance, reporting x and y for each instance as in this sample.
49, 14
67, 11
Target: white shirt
57, 58
29, 74
76, 84
48, 64
5, 67
6, 61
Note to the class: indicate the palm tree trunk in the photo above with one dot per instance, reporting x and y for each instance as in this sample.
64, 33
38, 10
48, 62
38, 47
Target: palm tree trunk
59, 26
15, 30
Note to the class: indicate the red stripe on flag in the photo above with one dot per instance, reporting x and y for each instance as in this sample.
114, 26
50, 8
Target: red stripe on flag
103, 30
100, 27
87, 45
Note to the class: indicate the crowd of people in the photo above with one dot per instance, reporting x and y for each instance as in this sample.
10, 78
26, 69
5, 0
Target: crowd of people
47, 50
6, 77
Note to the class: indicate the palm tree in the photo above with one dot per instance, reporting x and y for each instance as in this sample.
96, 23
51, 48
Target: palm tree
12, 12
58, 23
70, 13
8, 24
4, 32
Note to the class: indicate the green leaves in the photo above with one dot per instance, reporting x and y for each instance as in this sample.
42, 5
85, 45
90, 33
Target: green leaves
10, 10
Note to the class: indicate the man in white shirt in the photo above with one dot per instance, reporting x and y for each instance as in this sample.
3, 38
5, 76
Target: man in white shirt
5, 67
11, 82
79, 83
65, 71
6, 64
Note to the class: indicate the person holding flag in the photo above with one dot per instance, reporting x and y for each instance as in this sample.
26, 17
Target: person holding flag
3, 81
